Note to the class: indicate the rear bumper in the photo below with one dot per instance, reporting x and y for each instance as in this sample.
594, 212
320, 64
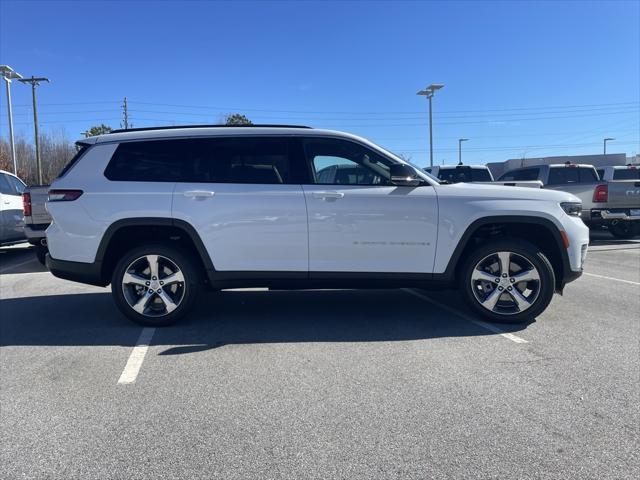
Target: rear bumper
606, 215
90, 273
35, 231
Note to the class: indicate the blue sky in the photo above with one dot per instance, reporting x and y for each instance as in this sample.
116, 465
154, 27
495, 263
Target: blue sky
522, 78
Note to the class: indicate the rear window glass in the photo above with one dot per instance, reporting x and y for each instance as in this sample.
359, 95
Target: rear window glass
211, 160
626, 174
563, 175
523, 175
464, 175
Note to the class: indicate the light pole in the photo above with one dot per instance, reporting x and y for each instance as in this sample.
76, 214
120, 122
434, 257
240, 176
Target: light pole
605, 144
428, 92
460, 140
8, 74
35, 81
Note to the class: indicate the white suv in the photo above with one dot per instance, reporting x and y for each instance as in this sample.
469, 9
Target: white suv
160, 213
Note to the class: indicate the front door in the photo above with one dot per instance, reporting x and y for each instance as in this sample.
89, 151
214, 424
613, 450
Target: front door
358, 220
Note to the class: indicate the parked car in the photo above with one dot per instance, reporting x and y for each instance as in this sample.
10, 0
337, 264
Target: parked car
619, 172
160, 213
613, 205
11, 222
620, 213
460, 173
36, 218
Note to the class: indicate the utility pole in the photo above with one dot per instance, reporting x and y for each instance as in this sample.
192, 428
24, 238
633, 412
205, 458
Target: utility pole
8, 74
460, 140
125, 114
605, 144
428, 92
35, 81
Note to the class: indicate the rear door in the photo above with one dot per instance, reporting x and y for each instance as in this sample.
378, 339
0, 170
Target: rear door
244, 197
358, 221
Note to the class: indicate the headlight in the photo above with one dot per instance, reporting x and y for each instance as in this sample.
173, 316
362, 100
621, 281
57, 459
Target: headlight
572, 208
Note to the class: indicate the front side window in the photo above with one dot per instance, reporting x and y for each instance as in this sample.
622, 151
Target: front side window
341, 162
207, 160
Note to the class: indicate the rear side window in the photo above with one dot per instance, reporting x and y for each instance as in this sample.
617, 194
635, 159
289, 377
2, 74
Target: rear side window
81, 151
626, 174
262, 160
563, 175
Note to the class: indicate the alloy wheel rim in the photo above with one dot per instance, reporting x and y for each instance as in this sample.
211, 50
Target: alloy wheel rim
505, 283
153, 285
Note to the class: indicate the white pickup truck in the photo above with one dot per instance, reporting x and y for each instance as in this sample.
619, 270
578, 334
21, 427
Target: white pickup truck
612, 205
36, 218
620, 214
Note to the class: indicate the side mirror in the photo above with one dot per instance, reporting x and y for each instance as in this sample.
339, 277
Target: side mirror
404, 175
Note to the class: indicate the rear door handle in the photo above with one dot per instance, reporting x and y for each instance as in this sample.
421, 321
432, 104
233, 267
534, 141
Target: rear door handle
327, 195
199, 193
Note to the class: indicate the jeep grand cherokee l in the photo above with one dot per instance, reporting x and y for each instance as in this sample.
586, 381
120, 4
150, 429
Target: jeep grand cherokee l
160, 213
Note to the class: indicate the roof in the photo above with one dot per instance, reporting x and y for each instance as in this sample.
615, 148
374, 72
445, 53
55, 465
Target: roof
453, 167
209, 131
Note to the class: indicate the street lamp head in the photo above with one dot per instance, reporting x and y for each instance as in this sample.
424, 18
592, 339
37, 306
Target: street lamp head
609, 139
430, 90
463, 139
8, 73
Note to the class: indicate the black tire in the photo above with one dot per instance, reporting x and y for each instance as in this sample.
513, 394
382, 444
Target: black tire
624, 230
189, 289
41, 253
545, 286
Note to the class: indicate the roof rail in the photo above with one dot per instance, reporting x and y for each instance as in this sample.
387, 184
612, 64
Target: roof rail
172, 127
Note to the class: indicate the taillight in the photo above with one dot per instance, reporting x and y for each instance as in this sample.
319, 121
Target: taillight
26, 204
64, 195
601, 193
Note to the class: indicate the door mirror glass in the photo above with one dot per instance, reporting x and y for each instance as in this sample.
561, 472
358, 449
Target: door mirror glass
404, 175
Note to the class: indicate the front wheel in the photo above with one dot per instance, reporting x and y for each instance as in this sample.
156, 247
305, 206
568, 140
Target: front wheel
155, 285
508, 281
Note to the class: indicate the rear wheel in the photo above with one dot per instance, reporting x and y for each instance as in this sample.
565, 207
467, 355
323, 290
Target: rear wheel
508, 281
155, 285
624, 230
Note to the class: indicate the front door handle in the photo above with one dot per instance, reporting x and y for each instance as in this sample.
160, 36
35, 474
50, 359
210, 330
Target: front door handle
327, 195
199, 193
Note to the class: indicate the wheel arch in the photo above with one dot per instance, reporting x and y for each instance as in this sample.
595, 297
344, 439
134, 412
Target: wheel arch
127, 233
539, 231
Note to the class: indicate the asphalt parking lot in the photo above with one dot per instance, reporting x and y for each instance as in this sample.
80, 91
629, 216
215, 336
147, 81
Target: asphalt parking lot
324, 384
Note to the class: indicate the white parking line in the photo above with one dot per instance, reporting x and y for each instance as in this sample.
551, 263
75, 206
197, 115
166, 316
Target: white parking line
488, 326
26, 262
611, 278
131, 369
